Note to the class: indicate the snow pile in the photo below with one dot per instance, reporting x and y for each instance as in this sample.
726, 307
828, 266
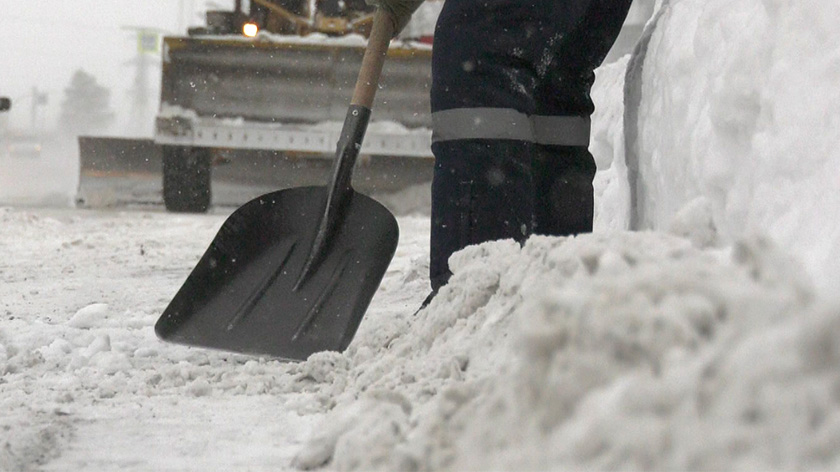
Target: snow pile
633, 351
739, 112
424, 27
612, 190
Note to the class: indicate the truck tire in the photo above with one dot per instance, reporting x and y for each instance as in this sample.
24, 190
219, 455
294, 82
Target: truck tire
186, 179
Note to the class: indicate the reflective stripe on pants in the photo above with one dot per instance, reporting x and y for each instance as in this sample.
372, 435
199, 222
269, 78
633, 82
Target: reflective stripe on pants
506, 123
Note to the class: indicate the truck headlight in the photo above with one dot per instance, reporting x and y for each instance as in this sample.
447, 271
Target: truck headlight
250, 29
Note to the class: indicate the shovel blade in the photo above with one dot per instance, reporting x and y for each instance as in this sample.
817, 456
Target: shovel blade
245, 293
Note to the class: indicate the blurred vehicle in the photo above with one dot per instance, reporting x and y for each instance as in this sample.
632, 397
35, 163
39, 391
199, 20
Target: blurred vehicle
259, 95
23, 145
5, 104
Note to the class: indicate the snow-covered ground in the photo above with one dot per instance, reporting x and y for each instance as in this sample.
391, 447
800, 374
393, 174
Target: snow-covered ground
709, 341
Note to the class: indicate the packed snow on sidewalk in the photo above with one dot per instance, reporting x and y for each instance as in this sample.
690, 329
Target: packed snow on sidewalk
710, 341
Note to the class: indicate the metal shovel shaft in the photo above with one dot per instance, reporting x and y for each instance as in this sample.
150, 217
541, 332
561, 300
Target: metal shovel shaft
352, 135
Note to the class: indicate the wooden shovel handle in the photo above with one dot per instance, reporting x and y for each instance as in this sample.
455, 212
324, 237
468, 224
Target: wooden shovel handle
377, 49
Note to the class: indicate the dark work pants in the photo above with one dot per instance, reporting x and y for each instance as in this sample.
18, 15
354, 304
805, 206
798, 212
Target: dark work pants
510, 97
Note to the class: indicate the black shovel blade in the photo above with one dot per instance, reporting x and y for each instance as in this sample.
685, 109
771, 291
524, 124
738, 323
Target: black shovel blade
244, 295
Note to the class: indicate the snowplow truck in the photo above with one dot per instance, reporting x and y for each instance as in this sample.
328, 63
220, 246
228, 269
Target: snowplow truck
257, 96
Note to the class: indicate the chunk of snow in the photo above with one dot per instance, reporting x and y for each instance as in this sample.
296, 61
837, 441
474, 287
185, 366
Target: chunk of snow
89, 316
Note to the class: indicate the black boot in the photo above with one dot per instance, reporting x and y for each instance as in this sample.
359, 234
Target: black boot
564, 200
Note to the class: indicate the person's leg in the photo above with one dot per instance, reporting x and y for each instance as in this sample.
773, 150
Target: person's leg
563, 174
482, 97
480, 192
510, 95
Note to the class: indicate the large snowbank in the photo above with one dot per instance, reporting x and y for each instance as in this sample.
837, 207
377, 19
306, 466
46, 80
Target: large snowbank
739, 115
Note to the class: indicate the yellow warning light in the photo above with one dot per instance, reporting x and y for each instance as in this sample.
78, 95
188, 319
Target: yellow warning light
250, 29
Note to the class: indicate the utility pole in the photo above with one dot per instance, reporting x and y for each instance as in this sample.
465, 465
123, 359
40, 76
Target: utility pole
4, 117
39, 99
148, 52
33, 113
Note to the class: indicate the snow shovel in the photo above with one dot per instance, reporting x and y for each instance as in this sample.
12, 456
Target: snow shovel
292, 272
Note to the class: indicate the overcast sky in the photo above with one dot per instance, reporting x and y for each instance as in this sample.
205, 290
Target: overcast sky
43, 42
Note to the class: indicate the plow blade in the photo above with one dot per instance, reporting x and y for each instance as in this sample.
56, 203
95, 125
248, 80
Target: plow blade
117, 172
